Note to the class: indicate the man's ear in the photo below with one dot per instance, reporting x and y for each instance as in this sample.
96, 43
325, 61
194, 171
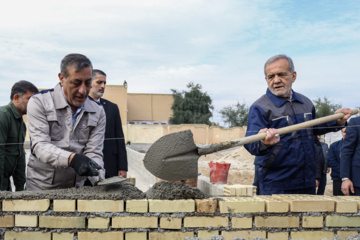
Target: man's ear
61, 78
294, 76
16, 97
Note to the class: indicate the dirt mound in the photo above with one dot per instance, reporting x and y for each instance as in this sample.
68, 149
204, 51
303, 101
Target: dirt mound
171, 191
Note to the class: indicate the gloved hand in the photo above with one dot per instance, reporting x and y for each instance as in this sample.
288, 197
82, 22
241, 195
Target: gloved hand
84, 166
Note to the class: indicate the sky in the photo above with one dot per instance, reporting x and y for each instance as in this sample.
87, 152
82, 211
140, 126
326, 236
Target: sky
160, 45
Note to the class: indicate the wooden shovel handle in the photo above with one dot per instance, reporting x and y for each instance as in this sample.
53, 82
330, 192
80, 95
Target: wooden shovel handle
260, 136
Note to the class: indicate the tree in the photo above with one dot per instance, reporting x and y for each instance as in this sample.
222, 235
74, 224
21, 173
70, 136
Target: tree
192, 106
235, 115
325, 107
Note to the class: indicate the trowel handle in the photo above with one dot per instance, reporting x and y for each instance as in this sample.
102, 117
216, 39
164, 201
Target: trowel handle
260, 136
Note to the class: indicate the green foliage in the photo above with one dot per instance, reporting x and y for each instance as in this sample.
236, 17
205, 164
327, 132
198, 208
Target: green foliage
324, 107
235, 115
192, 106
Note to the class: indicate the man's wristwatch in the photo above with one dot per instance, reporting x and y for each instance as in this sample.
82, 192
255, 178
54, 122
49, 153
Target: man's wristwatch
344, 179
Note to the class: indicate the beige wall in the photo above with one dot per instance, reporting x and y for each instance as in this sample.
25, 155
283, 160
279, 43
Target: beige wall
118, 95
149, 107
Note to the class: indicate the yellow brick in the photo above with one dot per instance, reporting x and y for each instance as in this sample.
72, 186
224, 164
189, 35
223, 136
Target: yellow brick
193, 222
277, 222
26, 220
345, 234
138, 205
134, 222
61, 222
171, 206
312, 221
241, 222
241, 205
311, 235
204, 234
27, 235
63, 236
100, 235
136, 236
7, 221
98, 222
274, 205
206, 205
277, 236
248, 235
170, 223
41, 205
100, 205
229, 190
170, 235
314, 205
346, 206
64, 205
342, 221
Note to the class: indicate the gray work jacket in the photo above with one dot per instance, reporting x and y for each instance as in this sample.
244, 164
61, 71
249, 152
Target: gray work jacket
54, 139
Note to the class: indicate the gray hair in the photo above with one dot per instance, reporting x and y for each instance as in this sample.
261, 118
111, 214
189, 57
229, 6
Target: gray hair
21, 87
77, 60
97, 71
277, 57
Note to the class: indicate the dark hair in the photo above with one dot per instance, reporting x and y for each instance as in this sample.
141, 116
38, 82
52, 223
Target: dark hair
21, 87
97, 71
77, 60
277, 57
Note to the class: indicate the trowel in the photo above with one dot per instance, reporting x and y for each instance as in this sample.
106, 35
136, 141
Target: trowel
174, 157
111, 180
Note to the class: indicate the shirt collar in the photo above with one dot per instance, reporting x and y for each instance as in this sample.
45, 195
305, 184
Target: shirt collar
279, 101
98, 101
14, 110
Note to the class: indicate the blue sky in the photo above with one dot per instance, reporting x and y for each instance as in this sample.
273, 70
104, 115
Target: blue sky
160, 45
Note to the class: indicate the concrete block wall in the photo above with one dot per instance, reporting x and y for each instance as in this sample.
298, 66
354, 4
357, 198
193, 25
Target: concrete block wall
273, 217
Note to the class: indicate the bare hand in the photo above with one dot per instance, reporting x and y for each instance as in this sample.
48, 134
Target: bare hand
347, 112
122, 173
345, 186
272, 136
328, 170
317, 183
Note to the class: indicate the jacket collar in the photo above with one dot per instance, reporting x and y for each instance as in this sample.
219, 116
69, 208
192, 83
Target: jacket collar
279, 101
61, 102
14, 110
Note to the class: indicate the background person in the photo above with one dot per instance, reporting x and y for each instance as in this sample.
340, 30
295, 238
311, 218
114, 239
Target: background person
115, 157
12, 136
321, 156
66, 130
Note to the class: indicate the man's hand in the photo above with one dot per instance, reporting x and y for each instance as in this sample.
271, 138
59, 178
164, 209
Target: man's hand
84, 166
345, 186
122, 173
317, 183
272, 136
347, 112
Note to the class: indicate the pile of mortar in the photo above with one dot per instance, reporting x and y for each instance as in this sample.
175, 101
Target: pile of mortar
115, 191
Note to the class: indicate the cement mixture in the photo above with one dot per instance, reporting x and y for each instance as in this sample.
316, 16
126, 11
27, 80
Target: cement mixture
171, 191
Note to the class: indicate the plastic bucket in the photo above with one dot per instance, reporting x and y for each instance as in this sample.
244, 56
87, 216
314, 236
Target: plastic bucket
219, 172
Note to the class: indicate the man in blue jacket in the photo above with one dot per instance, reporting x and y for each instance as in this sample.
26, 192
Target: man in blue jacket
334, 164
350, 159
286, 164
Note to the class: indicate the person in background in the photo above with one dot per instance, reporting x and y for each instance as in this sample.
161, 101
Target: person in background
286, 164
350, 159
115, 157
12, 136
66, 130
321, 156
334, 164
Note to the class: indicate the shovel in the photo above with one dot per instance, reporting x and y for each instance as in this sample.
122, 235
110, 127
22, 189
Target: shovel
174, 157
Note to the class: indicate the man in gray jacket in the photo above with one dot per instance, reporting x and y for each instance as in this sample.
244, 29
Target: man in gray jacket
66, 130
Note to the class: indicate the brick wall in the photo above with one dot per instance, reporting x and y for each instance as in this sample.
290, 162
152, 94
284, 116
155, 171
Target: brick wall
272, 217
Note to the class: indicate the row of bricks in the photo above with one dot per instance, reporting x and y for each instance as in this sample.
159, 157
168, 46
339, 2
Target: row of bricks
271, 204
153, 222
227, 235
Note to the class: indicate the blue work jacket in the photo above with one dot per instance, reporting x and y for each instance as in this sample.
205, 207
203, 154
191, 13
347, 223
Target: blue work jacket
289, 164
334, 160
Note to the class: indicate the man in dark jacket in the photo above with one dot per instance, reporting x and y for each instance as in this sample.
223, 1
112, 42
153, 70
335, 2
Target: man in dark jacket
286, 165
334, 164
350, 159
12, 136
115, 157
321, 156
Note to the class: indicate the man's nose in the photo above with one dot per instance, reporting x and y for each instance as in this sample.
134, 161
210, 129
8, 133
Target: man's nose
276, 79
82, 89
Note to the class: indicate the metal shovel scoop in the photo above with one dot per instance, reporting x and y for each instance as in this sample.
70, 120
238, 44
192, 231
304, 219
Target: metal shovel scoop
175, 156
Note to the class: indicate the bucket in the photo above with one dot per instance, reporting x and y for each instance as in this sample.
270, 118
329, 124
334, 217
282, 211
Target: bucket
219, 172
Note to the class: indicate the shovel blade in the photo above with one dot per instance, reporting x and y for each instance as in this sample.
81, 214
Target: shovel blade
173, 157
